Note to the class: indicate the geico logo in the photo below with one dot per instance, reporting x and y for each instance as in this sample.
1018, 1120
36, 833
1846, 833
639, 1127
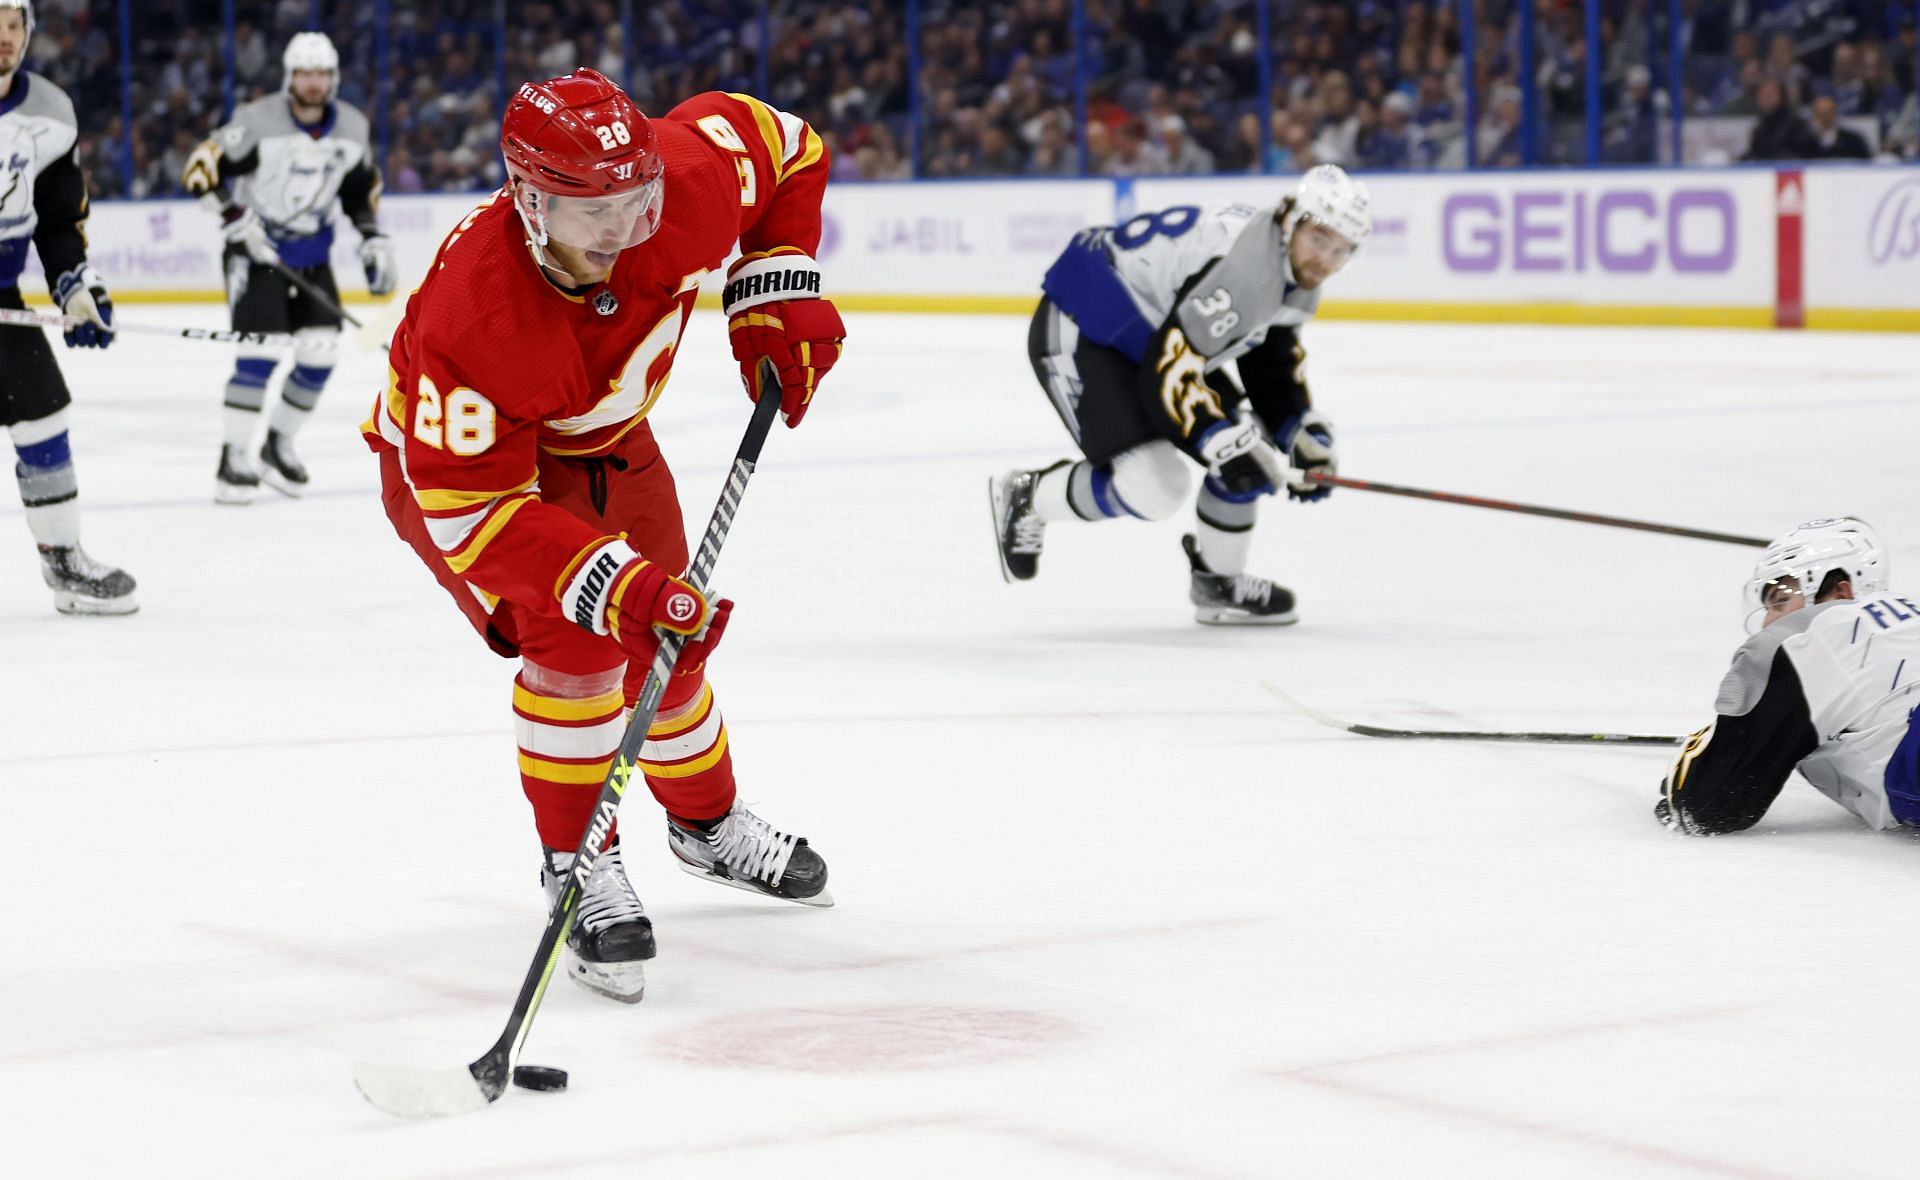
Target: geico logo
1626, 231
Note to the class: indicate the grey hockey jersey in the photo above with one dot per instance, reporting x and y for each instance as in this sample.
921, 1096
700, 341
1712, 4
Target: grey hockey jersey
1828, 690
1223, 269
1182, 292
43, 193
291, 174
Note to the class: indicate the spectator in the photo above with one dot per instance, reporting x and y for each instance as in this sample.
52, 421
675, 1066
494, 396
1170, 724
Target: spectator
1134, 154
1333, 141
1780, 134
1831, 141
401, 175
1902, 141
1746, 100
1182, 154
1500, 137
1631, 126
1280, 147
1847, 85
1785, 68
1393, 143
1054, 154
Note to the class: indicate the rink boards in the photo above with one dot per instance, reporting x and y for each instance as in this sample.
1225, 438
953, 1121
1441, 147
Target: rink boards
1824, 247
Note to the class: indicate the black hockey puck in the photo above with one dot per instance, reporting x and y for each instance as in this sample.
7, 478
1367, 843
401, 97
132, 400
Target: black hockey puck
539, 1077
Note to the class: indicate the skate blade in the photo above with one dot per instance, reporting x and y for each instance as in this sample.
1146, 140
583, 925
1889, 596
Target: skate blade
822, 900
1226, 617
625, 982
280, 483
69, 603
233, 493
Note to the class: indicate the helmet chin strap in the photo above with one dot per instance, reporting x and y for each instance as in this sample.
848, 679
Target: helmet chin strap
536, 235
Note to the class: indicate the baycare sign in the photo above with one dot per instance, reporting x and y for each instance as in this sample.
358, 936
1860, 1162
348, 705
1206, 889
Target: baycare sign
1863, 237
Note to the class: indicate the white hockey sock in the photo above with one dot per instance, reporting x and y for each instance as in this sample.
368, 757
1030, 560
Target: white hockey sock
246, 393
1052, 493
286, 419
55, 525
1223, 531
237, 425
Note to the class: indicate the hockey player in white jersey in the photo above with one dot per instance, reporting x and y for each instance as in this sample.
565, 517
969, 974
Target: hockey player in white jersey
1132, 342
43, 203
1827, 685
272, 174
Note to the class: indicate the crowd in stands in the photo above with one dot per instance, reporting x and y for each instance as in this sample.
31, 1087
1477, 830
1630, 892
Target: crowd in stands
1165, 86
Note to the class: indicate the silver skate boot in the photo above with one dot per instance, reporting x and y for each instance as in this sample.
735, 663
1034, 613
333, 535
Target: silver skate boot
83, 586
1017, 528
1239, 600
280, 467
236, 481
612, 937
742, 850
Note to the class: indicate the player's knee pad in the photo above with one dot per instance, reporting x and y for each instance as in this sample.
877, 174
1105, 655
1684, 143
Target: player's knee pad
1151, 481
316, 348
551, 682
1229, 511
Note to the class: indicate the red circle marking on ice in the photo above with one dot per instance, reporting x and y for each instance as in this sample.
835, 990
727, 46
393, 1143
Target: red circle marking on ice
861, 1040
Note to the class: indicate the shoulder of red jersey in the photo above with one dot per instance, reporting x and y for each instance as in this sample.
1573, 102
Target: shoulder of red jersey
769, 165
741, 123
479, 321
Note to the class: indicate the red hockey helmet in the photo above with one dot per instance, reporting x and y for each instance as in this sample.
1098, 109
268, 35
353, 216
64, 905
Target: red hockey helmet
585, 165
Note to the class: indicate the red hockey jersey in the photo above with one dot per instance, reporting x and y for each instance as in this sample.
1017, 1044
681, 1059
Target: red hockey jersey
494, 366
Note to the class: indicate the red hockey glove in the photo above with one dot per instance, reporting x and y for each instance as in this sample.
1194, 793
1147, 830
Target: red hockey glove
612, 590
774, 310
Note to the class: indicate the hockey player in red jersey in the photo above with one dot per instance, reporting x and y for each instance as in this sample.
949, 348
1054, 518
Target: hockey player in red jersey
517, 460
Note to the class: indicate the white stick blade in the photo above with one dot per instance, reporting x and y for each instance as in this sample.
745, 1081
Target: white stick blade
420, 1093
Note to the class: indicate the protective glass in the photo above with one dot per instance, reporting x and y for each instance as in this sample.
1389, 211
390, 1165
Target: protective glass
1770, 600
603, 224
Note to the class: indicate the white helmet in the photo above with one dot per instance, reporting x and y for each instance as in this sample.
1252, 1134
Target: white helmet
26, 9
1326, 194
1811, 551
310, 51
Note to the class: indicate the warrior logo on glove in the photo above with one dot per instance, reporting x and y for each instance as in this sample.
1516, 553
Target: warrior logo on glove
774, 310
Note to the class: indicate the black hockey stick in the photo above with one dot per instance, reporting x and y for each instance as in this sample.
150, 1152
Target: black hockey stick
1476, 735
1619, 522
312, 290
423, 1093
37, 319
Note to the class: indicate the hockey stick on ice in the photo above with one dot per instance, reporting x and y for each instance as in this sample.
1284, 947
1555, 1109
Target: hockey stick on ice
423, 1093
1475, 735
1619, 522
37, 319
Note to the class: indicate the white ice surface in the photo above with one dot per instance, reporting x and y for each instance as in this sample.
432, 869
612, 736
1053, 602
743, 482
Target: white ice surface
1105, 908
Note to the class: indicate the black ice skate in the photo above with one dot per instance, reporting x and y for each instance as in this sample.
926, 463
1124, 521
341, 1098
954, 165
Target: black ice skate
612, 936
280, 467
1239, 600
1018, 530
742, 850
236, 481
83, 586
